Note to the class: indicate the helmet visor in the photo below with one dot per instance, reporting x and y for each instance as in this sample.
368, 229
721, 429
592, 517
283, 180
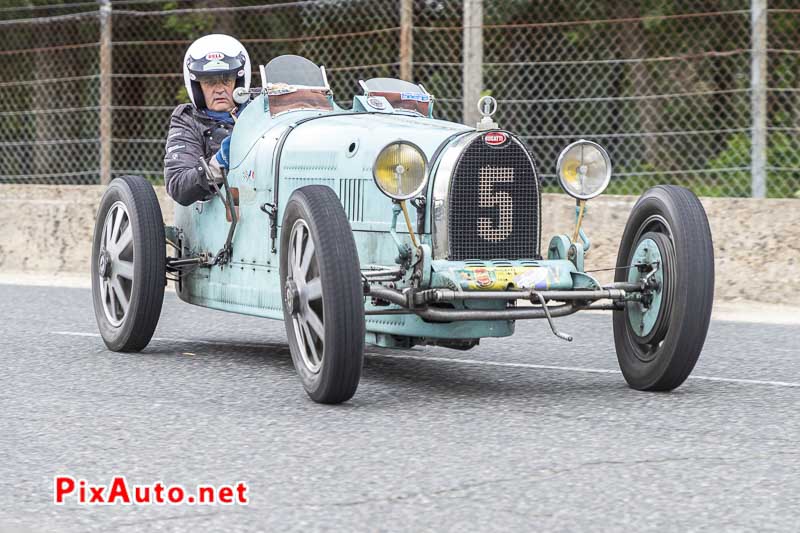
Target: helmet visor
216, 64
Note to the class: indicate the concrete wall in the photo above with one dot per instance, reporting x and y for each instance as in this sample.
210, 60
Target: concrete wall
756, 251
47, 230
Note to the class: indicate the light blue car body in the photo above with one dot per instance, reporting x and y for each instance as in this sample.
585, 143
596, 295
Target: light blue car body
337, 149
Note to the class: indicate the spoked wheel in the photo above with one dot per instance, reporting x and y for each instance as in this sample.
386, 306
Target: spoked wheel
128, 264
115, 264
304, 297
323, 297
667, 244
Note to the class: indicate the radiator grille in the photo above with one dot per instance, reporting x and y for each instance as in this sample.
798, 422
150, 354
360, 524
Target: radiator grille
494, 203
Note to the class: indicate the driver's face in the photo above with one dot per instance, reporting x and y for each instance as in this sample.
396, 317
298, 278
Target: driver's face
218, 93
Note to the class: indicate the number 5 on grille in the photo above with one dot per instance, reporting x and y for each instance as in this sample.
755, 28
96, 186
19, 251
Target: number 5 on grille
488, 197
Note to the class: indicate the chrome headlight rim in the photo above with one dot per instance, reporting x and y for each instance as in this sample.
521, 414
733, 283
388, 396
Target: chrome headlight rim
426, 171
560, 166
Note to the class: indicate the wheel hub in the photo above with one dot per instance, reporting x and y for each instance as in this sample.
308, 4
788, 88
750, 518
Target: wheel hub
292, 295
643, 315
104, 264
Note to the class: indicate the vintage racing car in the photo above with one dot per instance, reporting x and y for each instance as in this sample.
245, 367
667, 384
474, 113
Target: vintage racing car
382, 224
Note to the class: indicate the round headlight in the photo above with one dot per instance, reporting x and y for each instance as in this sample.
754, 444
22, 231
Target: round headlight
401, 170
584, 169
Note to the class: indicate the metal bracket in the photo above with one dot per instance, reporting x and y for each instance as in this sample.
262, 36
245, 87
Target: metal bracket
419, 205
422, 267
272, 212
557, 333
403, 250
579, 226
225, 254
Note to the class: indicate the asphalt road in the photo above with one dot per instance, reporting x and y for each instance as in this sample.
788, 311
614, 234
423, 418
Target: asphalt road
524, 433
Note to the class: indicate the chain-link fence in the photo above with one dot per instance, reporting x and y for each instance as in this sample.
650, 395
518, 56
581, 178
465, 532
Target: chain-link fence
696, 92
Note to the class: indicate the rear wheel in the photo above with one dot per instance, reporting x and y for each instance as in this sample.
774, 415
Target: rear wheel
128, 264
667, 243
323, 304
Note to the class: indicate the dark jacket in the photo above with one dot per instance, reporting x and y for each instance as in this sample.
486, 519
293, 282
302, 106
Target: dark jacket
192, 135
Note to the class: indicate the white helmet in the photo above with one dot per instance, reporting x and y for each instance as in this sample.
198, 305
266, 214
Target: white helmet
214, 55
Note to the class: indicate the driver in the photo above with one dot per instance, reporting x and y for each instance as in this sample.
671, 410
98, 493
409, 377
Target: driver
213, 67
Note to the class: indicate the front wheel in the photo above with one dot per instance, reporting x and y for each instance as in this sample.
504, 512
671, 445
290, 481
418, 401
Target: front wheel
667, 245
128, 264
323, 305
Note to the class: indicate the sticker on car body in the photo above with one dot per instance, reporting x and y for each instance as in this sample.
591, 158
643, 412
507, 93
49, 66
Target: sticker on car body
500, 278
377, 103
483, 277
533, 278
278, 90
419, 97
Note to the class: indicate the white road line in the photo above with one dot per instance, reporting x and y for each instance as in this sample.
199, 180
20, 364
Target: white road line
164, 339
579, 369
499, 363
468, 361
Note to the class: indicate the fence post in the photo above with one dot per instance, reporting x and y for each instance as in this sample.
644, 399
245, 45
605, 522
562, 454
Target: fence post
758, 98
406, 39
105, 91
473, 60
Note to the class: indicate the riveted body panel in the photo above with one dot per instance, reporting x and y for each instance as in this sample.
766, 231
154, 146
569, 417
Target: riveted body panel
272, 156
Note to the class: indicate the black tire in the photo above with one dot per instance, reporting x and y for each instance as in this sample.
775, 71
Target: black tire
329, 365
674, 219
143, 258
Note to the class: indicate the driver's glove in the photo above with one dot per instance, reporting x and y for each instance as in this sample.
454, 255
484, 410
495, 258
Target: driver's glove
224, 154
220, 161
215, 170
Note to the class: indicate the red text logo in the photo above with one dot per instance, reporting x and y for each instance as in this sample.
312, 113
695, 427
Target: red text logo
495, 138
119, 491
